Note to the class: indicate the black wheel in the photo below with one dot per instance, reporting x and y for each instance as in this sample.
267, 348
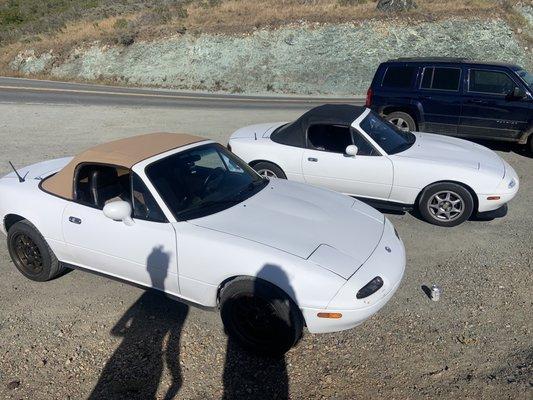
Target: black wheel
260, 316
269, 170
530, 144
402, 120
31, 254
446, 204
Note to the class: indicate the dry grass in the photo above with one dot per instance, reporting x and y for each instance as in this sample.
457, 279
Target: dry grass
235, 16
153, 19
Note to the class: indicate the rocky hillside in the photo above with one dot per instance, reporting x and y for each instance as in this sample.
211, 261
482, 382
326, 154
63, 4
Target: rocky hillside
236, 46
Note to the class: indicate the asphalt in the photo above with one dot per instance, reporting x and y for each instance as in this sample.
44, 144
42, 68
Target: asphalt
30, 91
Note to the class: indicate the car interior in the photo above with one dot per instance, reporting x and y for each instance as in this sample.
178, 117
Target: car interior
335, 139
96, 185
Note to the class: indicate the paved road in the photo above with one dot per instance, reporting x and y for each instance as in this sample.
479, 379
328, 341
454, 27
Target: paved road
18, 90
83, 336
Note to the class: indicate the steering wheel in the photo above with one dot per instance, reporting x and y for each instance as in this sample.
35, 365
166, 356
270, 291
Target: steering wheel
213, 179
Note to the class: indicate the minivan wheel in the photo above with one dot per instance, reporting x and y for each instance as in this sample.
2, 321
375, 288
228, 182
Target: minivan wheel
269, 170
446, 204
31, 254
402, 120
260, 316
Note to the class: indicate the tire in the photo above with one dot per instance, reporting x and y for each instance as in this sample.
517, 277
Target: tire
402, 120
260, 316
436, 204
31, 254
530, 144
269, 170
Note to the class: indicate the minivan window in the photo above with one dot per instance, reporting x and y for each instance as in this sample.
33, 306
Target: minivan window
399, 77
492, 82
441, 78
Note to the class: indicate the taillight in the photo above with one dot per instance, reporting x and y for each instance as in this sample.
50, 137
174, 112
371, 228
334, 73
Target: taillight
369, 94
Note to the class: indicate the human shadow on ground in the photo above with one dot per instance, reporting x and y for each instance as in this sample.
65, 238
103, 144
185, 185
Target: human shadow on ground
250, 376
151, 330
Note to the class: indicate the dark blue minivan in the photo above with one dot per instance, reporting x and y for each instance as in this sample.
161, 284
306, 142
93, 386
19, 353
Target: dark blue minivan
456, 97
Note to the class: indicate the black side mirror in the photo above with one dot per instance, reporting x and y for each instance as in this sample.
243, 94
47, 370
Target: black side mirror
517, 94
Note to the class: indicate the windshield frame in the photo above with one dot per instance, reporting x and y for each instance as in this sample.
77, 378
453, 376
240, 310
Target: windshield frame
357, 125
214, 207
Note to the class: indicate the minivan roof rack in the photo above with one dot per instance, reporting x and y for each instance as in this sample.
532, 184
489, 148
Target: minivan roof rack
433, 59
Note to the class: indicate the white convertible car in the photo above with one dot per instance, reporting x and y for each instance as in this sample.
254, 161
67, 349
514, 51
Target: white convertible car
183, 215
354, 151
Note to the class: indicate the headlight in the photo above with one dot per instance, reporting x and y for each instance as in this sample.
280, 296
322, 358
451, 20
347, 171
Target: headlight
370, 288
511, 184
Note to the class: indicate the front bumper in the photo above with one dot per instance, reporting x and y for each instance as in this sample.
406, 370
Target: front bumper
502, 194
387, 261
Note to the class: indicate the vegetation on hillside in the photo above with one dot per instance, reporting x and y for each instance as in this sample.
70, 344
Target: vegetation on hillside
126, 20
60, 25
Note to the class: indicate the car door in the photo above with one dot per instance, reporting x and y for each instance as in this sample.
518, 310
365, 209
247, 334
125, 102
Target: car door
143, 252
488, 111
439, 96
324, 163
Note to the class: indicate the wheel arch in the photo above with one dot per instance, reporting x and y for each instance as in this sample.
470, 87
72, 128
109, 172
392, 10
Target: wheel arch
231, 279
464, 185
255, 162
12, 219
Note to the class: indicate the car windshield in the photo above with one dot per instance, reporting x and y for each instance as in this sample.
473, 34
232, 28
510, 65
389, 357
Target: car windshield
202, 181
526, 76
390, 138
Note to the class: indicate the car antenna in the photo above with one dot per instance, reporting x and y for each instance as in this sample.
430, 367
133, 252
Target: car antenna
21, 179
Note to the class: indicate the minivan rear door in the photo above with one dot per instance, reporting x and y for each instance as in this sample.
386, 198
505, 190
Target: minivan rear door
439, 97
488, 111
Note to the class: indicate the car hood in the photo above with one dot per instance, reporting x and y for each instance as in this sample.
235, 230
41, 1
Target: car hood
453, 151
299, 219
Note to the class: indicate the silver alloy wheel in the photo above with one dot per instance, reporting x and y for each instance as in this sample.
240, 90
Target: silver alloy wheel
446, 205
400, 123
266, 173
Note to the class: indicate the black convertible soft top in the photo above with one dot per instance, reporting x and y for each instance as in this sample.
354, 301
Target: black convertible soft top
293, 134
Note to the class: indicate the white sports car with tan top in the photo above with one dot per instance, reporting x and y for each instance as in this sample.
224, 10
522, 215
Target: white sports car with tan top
182, 215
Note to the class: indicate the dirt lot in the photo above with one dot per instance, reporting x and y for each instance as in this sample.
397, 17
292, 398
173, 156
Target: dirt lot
83, 336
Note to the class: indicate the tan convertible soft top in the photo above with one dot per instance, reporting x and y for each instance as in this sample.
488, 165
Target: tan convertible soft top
124, 153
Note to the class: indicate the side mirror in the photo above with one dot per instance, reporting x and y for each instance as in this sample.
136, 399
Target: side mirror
517, 94
119, 211
351, 150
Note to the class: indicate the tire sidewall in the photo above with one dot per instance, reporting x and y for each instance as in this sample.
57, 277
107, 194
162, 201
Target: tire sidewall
466, 196
35, 236
286, 311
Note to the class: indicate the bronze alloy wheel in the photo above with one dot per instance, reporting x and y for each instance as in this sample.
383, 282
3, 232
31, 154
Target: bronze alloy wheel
27, 255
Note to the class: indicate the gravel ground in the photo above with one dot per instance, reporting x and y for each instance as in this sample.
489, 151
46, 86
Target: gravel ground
83, 336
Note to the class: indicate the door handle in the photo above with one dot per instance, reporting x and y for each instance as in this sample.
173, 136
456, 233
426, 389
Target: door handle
74, 220
477, 101
312, 159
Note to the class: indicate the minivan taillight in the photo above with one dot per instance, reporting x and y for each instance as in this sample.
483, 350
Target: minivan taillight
369, 94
